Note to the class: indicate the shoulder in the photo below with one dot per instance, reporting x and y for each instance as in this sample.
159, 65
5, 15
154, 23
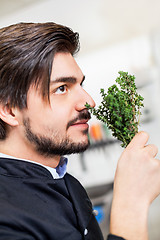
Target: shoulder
71, 179
74, 185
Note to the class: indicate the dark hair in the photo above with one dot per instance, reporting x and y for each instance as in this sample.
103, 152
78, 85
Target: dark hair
26, 55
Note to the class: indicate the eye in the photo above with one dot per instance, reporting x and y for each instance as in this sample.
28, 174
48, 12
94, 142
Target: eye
60, 90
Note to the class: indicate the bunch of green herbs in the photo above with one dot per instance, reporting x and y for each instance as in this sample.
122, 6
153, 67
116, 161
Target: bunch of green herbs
120, 108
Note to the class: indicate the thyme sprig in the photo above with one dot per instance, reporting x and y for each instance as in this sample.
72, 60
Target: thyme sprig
120, 108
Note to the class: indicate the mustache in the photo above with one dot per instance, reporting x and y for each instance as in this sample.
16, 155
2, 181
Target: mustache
82, 115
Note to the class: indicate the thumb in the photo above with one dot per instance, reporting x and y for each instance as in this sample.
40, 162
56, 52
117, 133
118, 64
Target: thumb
139, 140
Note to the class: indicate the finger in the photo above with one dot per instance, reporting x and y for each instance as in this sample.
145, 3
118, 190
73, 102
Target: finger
151, 149
139, 140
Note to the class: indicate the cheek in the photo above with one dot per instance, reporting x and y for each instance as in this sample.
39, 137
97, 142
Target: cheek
60, 118
57, 118
62, 111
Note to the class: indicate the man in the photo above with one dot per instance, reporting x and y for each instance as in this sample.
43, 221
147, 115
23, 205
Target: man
43, 117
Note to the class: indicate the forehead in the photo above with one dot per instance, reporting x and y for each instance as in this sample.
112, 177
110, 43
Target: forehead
64, 65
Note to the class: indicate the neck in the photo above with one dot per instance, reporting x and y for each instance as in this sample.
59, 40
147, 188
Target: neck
18, 149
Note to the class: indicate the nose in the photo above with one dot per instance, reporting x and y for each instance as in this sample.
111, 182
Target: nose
83, 98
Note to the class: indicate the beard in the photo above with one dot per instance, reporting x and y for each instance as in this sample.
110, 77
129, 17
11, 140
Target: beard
50, 147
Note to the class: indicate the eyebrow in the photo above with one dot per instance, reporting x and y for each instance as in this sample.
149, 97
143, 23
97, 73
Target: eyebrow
66, 80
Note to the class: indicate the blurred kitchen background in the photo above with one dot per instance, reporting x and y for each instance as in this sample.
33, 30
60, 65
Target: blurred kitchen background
115, 35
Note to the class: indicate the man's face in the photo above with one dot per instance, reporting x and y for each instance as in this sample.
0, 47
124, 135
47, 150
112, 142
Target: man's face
60, 127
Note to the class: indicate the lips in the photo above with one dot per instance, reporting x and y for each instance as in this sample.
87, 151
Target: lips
81, 122
80, 125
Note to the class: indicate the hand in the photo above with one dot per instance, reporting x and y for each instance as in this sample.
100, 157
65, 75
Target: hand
136, 185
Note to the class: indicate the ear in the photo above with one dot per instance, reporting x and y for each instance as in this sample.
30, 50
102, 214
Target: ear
8, 115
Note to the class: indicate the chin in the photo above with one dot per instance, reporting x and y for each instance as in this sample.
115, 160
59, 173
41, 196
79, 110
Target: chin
81, 141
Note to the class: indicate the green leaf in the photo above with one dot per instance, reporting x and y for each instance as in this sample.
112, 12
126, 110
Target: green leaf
120, 108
